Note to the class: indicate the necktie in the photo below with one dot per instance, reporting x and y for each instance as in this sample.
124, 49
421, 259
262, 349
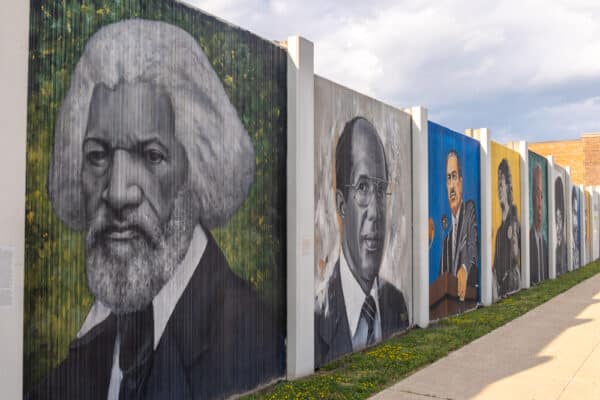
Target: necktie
136, 331
368, 313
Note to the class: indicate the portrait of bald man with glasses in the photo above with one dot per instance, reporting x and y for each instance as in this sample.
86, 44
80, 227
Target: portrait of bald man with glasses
363, 308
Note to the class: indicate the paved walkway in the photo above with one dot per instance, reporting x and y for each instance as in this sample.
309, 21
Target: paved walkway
552, 352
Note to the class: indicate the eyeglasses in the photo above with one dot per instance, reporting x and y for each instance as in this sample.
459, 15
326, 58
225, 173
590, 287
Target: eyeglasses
367, 187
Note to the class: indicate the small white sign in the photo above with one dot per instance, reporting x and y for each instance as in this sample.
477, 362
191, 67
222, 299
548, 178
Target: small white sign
6, 276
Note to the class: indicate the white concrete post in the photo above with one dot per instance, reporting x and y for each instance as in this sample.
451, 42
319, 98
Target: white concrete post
569, 220
14, 42
300, 208
525, 193
420, 214
551, 221
584, 249
486, 216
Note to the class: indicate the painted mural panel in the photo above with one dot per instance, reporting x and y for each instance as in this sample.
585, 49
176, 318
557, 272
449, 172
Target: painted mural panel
363, 220
576, 227
454, 221
538, 218
155, 225
596, 219
506, 220
588, 224
561, 197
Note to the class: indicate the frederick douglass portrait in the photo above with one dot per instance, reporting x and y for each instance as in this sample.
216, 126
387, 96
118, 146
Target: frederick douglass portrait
149, 155
360, 307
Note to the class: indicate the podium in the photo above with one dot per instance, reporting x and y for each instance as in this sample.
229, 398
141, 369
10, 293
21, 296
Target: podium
444, 300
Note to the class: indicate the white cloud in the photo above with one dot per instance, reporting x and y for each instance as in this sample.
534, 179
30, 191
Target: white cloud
448, 55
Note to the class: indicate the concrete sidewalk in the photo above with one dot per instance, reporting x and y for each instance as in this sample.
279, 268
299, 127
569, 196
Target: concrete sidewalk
552, 352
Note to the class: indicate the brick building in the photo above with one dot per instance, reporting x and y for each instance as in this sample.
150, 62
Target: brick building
582, 155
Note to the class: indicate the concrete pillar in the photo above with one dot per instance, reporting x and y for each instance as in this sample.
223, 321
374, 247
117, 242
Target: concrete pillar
420, 212
525, 193
300, 208
486, 216
14, 42
551, 221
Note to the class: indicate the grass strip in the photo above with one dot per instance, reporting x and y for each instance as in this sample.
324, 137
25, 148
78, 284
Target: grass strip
360, 375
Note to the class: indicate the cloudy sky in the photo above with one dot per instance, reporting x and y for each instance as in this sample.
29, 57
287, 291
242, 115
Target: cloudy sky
523, 68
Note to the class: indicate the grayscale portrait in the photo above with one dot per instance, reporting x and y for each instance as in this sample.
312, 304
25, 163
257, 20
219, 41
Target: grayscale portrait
149, 155
359, 206
538, 253
560, 221
507, 275
576, 238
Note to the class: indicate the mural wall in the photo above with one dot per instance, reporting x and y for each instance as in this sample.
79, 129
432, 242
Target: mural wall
155, 225
363, 219
561, 199
506, 220
588, 224
596, 219
538, 218
576, 221
454, 221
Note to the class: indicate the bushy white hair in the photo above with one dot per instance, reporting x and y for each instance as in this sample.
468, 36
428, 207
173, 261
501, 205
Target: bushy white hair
219, 150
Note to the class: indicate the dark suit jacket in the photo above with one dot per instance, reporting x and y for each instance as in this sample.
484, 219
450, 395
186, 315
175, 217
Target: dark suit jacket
561, 258
506, 263
220, 340
467, 246
332, 332
535, 276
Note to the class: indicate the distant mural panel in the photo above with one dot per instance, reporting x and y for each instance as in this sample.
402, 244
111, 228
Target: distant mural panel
588, 224
561, 200
576, 220
538, 218
155, 224
363, 221
454, 221
596, 219
506, 220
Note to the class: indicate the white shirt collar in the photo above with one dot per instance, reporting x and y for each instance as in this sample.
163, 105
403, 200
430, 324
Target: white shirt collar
354, 296
165, 301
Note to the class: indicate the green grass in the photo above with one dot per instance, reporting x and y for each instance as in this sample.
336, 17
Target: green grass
360, 375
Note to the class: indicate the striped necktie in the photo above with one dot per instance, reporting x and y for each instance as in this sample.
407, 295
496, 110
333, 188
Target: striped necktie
368, 313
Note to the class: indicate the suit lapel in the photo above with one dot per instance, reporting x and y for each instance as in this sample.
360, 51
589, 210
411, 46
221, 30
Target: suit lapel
456, 235
192, 326
336, 334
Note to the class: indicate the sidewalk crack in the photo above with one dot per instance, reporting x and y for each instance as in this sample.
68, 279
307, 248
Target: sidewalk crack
425, 395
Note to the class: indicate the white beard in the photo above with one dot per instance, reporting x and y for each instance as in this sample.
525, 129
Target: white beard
126, 276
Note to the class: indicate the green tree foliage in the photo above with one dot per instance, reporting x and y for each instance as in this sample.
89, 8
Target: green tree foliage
253, 72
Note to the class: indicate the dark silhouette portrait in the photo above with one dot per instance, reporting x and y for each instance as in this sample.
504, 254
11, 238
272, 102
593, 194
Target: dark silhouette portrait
507, 274
575, 225
139, 166
561, 245
538, 255
360, 308
460, 248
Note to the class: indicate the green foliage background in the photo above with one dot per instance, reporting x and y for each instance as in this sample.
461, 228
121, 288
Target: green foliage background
253, 72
